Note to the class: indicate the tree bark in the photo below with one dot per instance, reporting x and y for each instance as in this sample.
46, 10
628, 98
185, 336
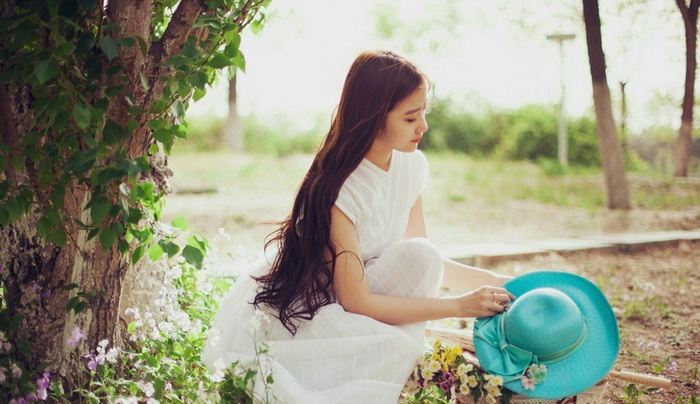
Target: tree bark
36, 271
610, 148
685, 132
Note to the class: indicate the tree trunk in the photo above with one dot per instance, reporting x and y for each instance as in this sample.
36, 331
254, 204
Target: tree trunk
232, 130
35, 270
610, 148
685, 133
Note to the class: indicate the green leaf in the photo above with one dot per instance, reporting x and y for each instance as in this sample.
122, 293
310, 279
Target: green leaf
199, 80
142, 45
45, 70
58, 237
70, 286
127, 42
99, 209
138, 254
64, 49
61, 120
43, 226
133, 167
180, 222
81, 161
155, 252
123, 246
219, 61
86, 42
107, 238
113, 132
199, 93
80, 307
239, 61
81, 115
24, 349
109, 46
169, 247
193, 256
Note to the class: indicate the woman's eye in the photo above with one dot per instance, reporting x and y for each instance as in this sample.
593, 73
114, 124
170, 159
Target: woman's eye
410, 120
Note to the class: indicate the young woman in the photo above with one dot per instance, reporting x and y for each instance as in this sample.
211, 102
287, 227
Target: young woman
353, 279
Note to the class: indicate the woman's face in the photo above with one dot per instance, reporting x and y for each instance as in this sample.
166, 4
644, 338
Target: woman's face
405, 124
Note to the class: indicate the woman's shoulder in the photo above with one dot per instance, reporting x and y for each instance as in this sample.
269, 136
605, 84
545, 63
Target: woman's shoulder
413, 161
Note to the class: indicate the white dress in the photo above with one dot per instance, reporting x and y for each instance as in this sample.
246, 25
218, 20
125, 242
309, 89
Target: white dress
341, 357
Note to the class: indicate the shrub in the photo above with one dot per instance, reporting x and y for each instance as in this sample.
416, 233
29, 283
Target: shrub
531, 134
451, 129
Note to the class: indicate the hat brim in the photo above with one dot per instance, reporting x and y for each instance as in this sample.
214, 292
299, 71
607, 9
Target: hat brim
594, 359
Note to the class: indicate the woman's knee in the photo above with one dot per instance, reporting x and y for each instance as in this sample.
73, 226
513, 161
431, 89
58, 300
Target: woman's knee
421, 250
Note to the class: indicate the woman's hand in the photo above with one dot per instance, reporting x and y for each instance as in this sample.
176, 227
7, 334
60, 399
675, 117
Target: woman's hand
482, 302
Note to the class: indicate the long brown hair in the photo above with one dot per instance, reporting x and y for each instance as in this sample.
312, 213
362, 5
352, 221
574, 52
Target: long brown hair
300, 280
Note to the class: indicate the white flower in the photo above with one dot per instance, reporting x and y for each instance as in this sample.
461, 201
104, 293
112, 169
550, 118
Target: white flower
462, 369
146, 387
112, 355
426, 374
434, 366
222, 236
16, 371
493, 391
464, 389
495, 381
126, 400
257, 320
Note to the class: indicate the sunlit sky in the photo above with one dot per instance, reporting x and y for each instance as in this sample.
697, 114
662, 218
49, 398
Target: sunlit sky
494, 56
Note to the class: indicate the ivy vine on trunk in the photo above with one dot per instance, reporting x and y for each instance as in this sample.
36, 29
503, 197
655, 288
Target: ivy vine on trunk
92, 99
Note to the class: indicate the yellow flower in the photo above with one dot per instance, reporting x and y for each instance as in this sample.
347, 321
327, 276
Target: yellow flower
437, 344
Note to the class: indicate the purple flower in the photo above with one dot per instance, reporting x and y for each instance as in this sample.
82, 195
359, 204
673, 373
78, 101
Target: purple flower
6, 346
92, 364
653, 345
75, 336
43, 384
673, 367
47, 294
2, 375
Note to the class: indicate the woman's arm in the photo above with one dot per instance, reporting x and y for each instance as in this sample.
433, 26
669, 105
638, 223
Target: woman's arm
353, 292
457, 276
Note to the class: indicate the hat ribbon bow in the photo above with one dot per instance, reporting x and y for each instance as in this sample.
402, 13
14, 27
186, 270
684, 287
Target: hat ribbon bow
514, 360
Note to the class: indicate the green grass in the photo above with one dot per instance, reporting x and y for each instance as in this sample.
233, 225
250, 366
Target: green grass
455, 178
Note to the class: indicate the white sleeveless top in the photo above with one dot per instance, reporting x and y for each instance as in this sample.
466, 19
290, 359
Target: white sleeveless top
378, 202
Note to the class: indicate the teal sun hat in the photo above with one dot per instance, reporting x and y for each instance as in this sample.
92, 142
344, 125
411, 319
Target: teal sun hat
558, 338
